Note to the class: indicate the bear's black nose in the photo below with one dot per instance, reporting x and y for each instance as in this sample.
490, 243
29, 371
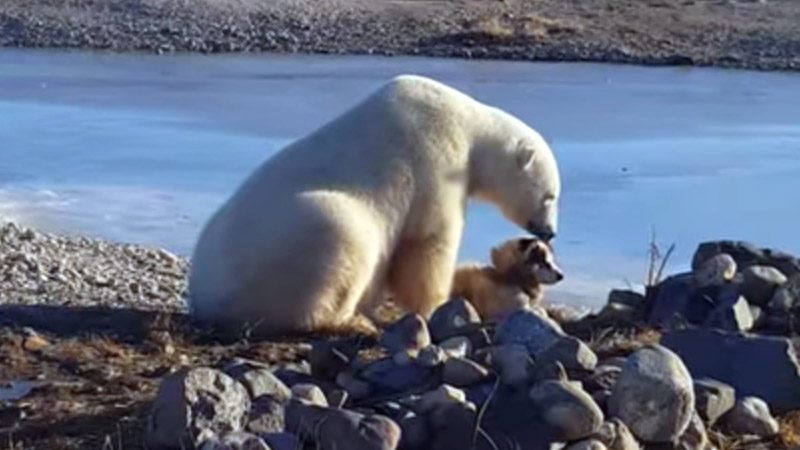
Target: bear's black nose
544, 234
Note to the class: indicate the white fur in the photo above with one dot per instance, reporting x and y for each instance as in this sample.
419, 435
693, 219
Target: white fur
368, 205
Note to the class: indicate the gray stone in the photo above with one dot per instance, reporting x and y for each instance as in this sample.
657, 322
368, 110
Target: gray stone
195, 405
715, 271
512, 422
530, 329
744, 253
328, 358
588, 444
750, 416
456, 346
310, 393
452, 427
455, 317
431, 356
713, 399
654, 395
462, 372
571, 352
385, 374
355, 387
410, 332
266, 415
604, 377
260, 382
626, 297
337, 429
548, 370
439, 398
760, 283
760, 366
787, 296
415, 433
237, 440
672, 299
731, 314
512, 362
281, 441
615, 435
694, 438
569, 413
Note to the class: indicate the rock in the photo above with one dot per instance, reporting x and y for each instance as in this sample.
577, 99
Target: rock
431, 356
237, 440
747, 254
384, 374
654, 395
415, 433
625, 297
548, 370
194, 405
694, 438
329, 358
671, 299
439, 398
453, 318
744, 253
453, 426
787, 296
266, 415
750, 416
456, 347
588, 444
530, 329
512, 362
354, 387
462, 372
760, 366
568, 412
406, 357
760, 283
615, 435
310, 393
731, 314
260, 382
571, 352
512, 422
410, 332
337, 429
713, 399
715, 271
337, 398
281, 441
604, 378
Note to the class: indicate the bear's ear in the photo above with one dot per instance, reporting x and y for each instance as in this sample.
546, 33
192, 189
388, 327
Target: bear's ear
526, 156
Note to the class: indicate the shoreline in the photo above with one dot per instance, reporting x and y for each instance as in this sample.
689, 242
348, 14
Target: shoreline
700, 33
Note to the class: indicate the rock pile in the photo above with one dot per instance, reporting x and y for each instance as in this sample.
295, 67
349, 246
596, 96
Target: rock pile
454, 382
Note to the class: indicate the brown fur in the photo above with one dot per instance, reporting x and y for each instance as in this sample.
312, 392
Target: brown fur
511, 281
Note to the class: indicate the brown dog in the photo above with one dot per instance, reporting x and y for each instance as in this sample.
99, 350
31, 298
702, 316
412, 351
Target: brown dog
520, 267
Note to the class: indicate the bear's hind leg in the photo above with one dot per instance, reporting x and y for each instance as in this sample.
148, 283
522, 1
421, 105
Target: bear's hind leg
421, 273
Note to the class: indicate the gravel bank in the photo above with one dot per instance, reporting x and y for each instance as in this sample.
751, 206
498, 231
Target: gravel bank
742, 34
46, 269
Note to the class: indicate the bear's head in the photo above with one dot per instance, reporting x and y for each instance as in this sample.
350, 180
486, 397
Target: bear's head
517, 172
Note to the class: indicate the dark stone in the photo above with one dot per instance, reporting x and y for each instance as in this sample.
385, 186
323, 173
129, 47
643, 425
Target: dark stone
759, 366
713, 399
387, 375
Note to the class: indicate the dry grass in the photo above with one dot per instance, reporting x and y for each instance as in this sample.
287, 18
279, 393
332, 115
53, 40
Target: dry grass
790, 429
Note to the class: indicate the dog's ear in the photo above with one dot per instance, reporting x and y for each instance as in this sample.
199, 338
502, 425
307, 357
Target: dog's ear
525, 243
502, 260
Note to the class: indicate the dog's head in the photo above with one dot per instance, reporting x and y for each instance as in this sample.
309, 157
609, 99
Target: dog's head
529, 257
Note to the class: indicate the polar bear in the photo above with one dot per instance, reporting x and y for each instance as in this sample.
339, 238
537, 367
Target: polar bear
369, 205
520, 269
